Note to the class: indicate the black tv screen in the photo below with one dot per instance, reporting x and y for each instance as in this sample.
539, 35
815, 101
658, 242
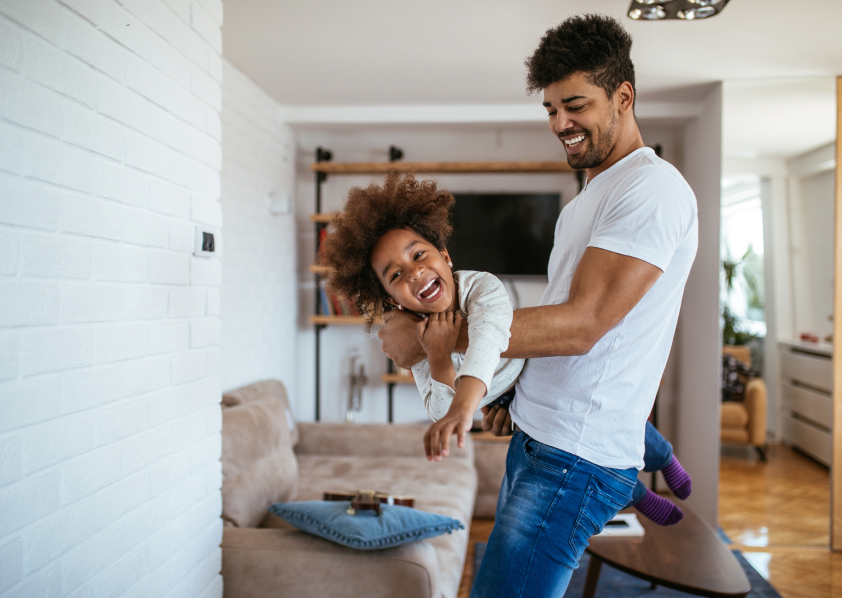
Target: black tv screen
507, 234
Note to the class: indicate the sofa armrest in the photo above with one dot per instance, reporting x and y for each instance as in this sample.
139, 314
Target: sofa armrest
371, 440
755, 404
268, 563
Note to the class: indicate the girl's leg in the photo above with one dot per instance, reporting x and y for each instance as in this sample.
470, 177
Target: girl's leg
658, 456
657, 508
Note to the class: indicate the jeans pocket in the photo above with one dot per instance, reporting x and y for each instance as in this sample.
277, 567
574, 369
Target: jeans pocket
546, 457
603, 499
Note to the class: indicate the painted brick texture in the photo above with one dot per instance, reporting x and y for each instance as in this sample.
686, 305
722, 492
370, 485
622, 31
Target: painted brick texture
258, 295
110, 155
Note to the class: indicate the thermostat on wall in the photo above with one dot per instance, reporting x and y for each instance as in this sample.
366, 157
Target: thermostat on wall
207, 243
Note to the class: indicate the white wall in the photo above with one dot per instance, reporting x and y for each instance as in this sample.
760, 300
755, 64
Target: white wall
695, 363
428, 142
811, 209
109, 400
258, 308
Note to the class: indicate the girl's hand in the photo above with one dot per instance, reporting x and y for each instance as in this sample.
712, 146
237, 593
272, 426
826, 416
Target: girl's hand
437, 438
458, 419
438, 334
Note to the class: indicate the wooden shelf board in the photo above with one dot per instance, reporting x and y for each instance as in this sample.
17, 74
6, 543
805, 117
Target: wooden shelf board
438, 167
398, 379
323, 218
317, 269
346, 320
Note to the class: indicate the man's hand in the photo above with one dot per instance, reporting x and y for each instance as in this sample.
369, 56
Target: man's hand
438, 333
399, 339
497, 420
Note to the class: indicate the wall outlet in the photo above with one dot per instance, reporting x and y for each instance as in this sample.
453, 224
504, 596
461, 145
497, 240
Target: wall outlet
280, 203
206, 243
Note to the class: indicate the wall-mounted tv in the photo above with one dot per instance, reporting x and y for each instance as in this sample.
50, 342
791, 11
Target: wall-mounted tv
507, 234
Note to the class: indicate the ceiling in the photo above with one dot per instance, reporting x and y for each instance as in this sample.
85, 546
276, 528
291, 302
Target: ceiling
471, 52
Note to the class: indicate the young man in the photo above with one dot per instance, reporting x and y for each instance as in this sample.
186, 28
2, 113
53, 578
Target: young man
598, 344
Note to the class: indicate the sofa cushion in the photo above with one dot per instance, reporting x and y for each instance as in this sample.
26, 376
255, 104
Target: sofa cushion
365, 530
734, 415
274, 563
261, 391
258, 464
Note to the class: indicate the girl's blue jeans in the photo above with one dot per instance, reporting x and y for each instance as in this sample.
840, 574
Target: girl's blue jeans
551, 502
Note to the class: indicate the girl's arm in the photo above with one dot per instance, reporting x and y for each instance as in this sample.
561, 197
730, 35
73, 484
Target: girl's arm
438, 333
459, 419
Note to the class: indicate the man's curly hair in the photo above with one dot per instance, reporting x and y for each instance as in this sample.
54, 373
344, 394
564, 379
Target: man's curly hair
596, 45
400, 202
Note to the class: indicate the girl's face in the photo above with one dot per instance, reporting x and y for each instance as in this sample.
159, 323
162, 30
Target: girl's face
414, 272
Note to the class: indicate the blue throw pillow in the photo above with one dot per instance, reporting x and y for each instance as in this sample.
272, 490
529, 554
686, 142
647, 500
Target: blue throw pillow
365, 530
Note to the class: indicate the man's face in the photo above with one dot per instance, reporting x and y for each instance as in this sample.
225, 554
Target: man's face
583, 118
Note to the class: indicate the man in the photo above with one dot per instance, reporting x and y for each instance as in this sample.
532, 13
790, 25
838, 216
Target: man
598, 344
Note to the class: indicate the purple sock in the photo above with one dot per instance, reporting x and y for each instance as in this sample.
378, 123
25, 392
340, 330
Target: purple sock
677, 479
659, 509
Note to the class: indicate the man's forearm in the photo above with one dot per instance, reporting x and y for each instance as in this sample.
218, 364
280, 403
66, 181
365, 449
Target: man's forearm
544, 331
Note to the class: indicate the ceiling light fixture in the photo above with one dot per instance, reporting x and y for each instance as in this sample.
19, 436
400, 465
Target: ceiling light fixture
684, 10
703, 12
652, 13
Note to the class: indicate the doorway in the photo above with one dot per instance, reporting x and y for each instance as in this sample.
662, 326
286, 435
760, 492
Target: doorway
780, 205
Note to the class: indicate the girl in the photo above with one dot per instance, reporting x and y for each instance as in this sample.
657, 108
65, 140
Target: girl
387, 251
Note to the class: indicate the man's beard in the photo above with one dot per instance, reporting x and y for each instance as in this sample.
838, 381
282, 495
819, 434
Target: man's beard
596, 153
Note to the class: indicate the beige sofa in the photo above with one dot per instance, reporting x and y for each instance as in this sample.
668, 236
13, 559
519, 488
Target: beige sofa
268, 457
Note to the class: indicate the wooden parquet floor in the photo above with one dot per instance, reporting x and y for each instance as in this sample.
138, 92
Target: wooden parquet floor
777, 514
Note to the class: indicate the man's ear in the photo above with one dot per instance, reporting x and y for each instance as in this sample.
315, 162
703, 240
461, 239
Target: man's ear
625, 97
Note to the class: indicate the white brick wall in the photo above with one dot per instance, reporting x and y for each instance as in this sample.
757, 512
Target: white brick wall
109, 327
258, 296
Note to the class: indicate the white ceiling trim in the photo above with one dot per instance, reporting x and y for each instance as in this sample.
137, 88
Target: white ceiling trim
461, 113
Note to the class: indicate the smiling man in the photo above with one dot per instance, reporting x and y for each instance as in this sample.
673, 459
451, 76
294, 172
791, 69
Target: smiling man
598, 343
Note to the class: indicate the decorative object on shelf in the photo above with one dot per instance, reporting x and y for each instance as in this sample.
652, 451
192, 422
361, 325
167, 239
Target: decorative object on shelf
395, 153
357, 382
681, 10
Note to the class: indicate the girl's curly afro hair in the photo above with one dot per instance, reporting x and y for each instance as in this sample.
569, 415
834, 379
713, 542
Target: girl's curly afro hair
400, 202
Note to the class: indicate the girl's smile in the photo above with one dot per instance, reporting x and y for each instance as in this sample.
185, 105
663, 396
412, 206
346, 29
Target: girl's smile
414, 272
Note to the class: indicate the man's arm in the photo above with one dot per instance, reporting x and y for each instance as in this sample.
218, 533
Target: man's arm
605, 288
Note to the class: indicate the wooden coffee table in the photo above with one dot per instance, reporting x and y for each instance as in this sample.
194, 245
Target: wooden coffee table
688, 557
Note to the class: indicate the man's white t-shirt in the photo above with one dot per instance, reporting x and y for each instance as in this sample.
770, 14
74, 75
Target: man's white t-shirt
595, 405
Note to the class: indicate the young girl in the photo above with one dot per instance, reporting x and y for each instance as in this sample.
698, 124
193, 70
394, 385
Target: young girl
387, 251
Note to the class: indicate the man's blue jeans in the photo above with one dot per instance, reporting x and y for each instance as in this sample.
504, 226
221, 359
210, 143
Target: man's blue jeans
657, 455
551, 502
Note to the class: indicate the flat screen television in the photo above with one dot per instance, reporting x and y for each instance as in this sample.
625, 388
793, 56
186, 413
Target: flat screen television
507, 234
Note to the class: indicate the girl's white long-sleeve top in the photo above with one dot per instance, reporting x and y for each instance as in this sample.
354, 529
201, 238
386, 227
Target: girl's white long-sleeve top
485, 305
